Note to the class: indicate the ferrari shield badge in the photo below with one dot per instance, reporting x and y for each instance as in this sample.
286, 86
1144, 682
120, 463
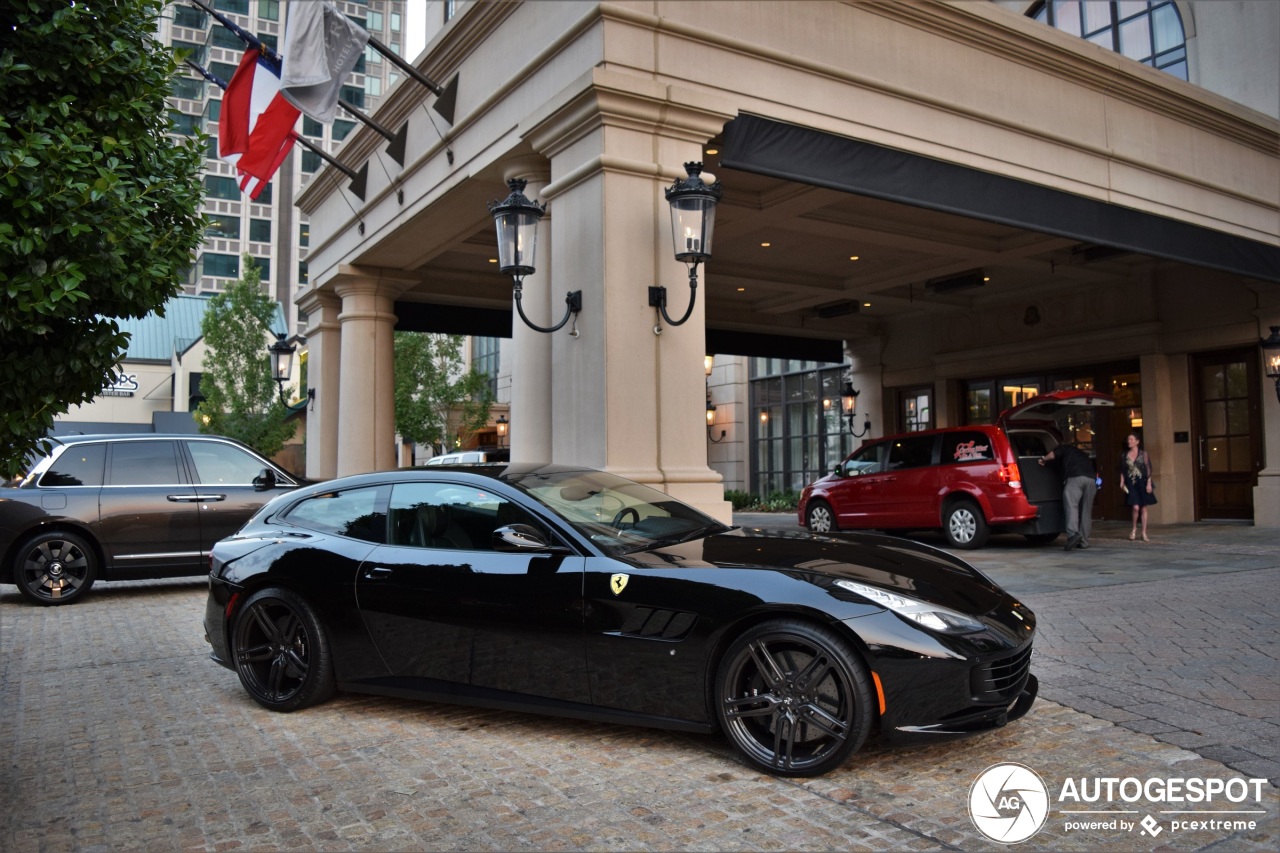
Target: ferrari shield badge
618, 583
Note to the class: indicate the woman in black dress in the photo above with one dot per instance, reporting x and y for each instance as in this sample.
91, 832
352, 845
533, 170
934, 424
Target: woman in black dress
1135, 481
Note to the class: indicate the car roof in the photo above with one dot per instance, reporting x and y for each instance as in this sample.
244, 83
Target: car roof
114, 436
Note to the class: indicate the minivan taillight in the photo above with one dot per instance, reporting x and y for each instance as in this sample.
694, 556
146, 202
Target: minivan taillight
1011, 476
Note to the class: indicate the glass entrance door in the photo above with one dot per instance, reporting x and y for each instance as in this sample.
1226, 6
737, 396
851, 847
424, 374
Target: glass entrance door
1227, 425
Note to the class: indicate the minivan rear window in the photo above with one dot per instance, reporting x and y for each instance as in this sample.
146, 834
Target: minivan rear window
79, 465
966, 446
915, 452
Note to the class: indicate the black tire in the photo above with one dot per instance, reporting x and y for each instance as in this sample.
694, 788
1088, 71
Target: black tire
794, 698
963, 525
820, 518
55, 568
281, 652
1040, 538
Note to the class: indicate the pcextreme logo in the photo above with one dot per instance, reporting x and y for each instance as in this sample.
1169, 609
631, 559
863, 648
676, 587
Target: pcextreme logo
1009, 803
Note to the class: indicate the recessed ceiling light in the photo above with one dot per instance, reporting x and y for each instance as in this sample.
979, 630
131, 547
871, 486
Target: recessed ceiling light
713, 151
986, 278
493, 260
742, 290
866, 305
765, 245
853, 257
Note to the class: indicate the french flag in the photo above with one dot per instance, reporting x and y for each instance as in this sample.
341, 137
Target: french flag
255, 128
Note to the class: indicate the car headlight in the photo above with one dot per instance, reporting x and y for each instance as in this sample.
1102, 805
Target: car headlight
931, 616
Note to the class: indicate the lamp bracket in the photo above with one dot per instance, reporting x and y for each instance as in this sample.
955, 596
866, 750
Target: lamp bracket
573, 304
658, 299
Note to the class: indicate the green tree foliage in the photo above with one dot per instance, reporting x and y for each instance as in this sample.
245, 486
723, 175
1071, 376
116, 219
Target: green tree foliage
241, 399
99, 206
436, 397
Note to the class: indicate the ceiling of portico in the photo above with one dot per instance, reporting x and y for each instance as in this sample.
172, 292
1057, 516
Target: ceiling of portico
806, 270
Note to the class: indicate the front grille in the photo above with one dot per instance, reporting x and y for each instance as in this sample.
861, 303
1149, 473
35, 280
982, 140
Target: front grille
1002, 679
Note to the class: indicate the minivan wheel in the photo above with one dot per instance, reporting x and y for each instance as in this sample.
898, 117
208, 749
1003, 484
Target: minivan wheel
963, 525
819, 518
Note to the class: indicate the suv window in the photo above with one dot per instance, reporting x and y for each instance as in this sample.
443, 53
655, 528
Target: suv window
143, 463
356, 513
967, 446
911, 453
79, 465
223, 464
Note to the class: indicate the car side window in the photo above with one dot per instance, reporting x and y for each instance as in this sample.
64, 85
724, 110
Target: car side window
356, 513
914, 452
78, 465
143, 463
450, 516
966, 446
220, 464
867, 460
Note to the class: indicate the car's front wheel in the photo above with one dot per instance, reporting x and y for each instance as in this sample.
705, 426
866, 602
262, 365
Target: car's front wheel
794, 698
820, 518
281, 652
55, 568
963, 525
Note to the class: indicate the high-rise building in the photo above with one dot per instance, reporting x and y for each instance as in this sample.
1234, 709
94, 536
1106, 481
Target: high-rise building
269, 228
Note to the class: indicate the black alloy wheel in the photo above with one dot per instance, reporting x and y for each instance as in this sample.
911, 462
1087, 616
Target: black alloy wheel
819, 518
55, 568
281, 652
794, 698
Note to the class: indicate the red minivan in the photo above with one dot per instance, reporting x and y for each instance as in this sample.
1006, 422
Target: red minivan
967, 480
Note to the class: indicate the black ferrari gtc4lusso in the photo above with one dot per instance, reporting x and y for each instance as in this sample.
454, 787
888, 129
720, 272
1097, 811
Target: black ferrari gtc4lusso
574, 592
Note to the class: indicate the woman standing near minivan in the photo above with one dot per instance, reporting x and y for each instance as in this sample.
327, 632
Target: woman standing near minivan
1135, 481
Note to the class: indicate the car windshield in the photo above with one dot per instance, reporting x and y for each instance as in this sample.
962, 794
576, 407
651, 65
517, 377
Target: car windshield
618, 515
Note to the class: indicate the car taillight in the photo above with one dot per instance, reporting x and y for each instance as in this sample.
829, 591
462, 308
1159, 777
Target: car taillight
1011, 476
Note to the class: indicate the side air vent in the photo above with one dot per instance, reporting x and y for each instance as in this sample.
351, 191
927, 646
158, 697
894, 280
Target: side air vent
651, 623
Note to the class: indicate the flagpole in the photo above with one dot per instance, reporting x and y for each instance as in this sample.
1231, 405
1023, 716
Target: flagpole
446, 97
358, 179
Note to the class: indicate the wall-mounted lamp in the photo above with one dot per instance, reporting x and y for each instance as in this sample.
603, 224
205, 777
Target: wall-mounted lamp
282, 368
1271, 357
711, 419
516, 219
502, 423
849, 397
693, 220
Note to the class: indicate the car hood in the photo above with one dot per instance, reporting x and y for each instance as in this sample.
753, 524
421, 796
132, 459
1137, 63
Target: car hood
888, 562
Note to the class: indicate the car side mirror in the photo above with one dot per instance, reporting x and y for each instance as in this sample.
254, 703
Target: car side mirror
520, 538
265, 481
838, 469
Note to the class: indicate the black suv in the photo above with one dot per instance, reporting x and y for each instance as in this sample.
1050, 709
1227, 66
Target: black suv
122, 507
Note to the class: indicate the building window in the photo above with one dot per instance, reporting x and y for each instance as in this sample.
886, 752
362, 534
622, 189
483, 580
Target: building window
341, 127
310, 162
1148, 31
264, 268
223, 266
260, 230
227, 227
796, 423
195, 52
187, 87
184, 124
217, 186
223, 37
303, 273
269, 10
304, 234
915, 409
238, 7
373, 86
270, 41
485, 359
450, 9
311, 127
189, 16
375, 21
353, 95
265, 197
395, 22
224, 71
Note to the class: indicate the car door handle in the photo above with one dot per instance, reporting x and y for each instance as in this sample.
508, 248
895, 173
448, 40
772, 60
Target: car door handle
185, 498
377, 573
211, 498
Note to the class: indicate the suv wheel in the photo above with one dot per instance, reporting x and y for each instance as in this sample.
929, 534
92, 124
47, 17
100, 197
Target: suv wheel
963, 525
55, 568
819, 518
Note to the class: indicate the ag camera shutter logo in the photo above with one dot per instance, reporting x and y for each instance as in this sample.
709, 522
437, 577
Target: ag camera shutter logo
1008, 803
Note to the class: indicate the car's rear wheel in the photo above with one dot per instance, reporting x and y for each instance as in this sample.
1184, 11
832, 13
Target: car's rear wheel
281, 652
794, 698
819, 517
55, 568
963, 525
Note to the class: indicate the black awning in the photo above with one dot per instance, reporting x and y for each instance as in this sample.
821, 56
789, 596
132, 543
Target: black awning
452, 320
807, 156
724, 342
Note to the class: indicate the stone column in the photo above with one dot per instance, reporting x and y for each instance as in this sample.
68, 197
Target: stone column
1266, 495
324, 353
626, 399
366, 419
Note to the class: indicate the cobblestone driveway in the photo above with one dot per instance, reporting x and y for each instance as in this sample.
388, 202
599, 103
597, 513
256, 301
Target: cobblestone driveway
119, 733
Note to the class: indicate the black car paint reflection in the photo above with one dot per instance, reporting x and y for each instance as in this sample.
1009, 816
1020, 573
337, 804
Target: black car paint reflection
609, 615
